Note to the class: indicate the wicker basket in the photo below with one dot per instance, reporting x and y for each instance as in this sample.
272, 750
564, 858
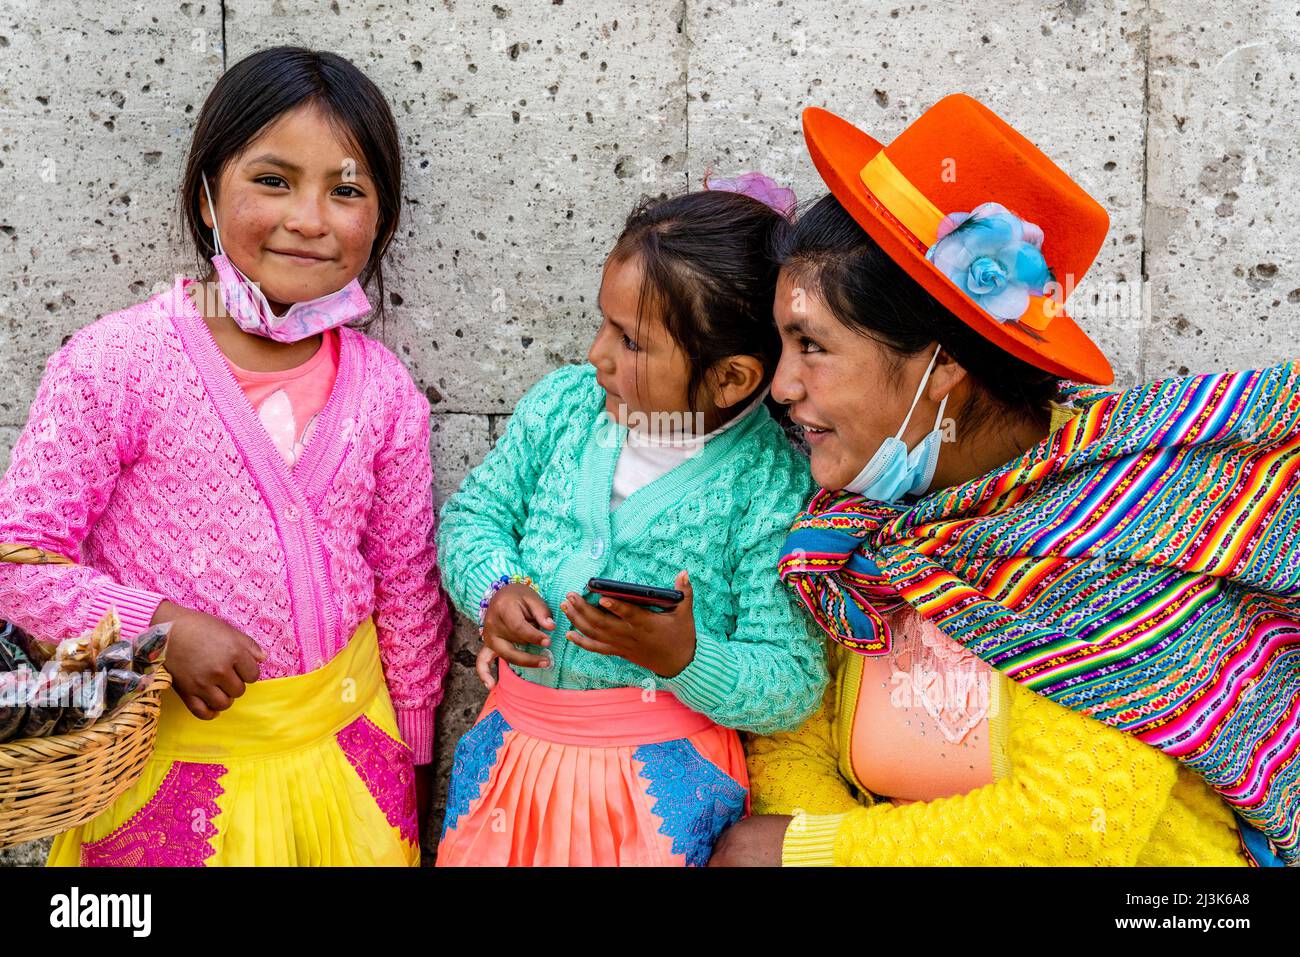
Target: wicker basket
48, 785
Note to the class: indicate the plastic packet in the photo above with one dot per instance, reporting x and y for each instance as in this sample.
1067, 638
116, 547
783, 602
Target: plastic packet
37, 652
120, 654
75, 654
105, 633
87, 704
13, 702
12, 656
49, 693
122, 685
150, 646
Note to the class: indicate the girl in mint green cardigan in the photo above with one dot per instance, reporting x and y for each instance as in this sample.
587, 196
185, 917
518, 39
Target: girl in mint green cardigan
610, 737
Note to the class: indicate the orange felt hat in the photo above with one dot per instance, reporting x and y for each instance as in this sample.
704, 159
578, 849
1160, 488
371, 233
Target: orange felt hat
957, 156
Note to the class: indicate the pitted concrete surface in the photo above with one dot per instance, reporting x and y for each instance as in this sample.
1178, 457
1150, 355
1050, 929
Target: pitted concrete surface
529, 130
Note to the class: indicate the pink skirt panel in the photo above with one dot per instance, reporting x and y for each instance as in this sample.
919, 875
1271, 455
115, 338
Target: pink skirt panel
608, 717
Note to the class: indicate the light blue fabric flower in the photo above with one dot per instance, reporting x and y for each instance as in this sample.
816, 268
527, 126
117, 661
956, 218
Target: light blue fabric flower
994, 256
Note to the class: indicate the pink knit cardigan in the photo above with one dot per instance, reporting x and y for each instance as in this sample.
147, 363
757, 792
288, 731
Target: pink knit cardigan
143, 461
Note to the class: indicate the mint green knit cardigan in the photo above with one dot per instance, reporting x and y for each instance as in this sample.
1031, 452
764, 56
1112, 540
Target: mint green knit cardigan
538, 505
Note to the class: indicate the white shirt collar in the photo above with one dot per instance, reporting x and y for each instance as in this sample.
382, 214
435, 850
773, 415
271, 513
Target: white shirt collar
650, 440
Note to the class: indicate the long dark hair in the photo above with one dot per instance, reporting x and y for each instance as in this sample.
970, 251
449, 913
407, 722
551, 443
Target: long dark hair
833, 257
262, 87
707, 268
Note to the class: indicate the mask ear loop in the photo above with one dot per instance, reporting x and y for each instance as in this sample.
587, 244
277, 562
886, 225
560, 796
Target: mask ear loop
916, 398
212, 209
938, 419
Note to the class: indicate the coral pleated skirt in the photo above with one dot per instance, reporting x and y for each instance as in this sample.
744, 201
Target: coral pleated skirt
611, 777
304, 770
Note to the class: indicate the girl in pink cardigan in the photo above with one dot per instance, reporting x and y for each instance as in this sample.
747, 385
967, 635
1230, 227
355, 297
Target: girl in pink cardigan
233, 457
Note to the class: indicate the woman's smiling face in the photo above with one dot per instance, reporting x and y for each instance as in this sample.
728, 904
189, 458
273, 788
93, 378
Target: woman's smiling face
841, 387
297, 209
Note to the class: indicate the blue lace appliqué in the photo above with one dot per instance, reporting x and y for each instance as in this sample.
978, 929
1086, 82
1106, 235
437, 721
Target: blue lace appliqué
696, 801
476, 753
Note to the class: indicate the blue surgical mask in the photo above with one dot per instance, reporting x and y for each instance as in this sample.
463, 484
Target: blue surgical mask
894, 471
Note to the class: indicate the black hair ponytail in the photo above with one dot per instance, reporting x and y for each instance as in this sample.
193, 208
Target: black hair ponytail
707, 266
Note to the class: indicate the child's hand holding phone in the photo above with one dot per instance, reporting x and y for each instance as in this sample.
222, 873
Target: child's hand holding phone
515, 616
662, 641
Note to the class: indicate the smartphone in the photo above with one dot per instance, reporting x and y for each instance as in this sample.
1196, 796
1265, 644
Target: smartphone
647, 596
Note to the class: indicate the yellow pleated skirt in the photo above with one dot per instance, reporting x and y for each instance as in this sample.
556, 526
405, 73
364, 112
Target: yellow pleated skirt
306, 770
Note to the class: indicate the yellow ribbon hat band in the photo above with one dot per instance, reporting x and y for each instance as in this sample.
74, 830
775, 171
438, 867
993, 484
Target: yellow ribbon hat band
904, 201
906, 204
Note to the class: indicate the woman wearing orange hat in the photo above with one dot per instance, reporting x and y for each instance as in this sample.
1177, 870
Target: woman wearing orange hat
1066, 619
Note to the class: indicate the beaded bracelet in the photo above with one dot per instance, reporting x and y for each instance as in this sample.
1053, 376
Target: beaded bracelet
497, 585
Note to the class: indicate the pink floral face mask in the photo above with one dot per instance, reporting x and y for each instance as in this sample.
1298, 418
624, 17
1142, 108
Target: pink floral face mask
252, 313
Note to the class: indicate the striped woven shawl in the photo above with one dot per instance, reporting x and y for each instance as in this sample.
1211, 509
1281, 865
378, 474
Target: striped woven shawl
1141, 565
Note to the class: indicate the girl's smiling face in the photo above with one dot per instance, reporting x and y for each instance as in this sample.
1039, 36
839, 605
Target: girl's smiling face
642, 370
297, 209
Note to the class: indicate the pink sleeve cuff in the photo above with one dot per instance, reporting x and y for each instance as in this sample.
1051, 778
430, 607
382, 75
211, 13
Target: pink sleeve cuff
416, 725
135, 607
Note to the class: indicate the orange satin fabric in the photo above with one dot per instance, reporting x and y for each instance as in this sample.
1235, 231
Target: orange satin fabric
921, 726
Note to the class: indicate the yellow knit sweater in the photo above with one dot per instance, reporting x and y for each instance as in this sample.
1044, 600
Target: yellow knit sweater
1066, 790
